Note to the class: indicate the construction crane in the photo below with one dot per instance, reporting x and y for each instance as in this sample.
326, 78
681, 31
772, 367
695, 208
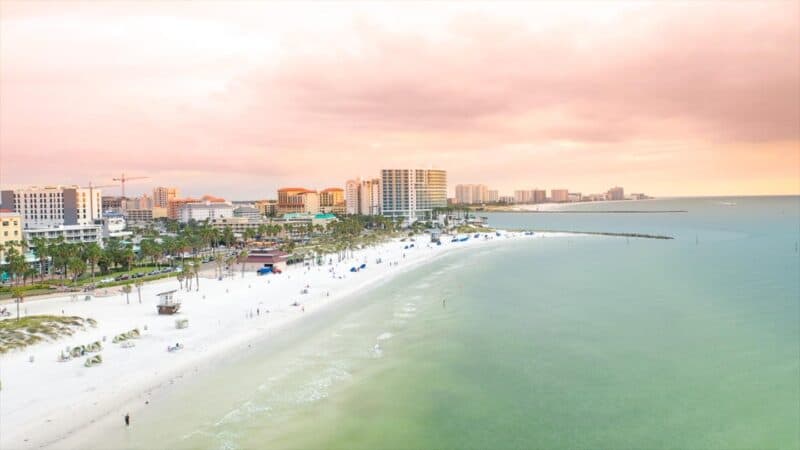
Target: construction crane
122, 179
91, 187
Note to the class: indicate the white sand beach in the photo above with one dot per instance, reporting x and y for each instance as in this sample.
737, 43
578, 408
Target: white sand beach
47, 403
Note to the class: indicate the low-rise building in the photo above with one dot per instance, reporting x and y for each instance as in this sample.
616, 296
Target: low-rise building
113, 225
72, 234
247, 212
140, 216
258, 258
10, 231
267, 208
238, 224
507, 199
207, 210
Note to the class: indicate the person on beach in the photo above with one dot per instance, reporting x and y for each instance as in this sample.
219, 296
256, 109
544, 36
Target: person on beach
127, 419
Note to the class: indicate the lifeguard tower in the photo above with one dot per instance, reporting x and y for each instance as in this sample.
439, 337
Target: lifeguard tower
167, 304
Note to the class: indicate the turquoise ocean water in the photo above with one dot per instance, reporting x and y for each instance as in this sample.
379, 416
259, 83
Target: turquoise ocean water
574, 342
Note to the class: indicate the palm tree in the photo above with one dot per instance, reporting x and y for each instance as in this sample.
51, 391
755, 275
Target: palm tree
127, 290
243, 259
76, 266
227, 236
92, 253
17, 266
19, 295
261, 231
139, 290
128, 256
42, 252
249, 234
196, 270
218, 263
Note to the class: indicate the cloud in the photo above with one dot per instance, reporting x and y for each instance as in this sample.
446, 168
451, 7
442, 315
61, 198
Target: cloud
578, 94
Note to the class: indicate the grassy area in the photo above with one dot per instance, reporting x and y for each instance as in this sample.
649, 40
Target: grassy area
474, 229
143, 279
49, 286
17, 334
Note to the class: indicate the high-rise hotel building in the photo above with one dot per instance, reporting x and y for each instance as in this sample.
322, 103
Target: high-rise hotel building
54, 206
413, 194
363, 196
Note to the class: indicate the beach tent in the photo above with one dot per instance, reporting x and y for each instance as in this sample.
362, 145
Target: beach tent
353, 269
363, 266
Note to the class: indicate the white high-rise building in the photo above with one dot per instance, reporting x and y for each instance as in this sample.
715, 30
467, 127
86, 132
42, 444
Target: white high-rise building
412, 194
370, 197
363, 196
54, 206
351, 198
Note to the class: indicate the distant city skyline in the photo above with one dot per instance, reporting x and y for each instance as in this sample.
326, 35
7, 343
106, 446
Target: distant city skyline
666, 98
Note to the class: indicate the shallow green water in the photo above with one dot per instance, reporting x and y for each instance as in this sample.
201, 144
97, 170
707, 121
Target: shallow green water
579, 342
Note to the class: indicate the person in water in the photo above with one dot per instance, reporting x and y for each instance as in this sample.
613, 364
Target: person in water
127, 419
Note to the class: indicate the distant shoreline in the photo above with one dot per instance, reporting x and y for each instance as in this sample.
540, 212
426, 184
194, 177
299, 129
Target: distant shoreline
600, 233
565, 211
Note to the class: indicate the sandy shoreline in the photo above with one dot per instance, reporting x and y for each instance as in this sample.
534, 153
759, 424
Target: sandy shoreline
51, 404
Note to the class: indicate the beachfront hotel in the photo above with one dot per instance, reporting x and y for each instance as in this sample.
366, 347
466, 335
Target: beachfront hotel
53, 206
412, 194
297, 200
332, 200
363, 196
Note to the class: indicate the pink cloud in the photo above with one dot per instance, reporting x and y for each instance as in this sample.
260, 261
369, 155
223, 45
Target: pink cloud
507, 99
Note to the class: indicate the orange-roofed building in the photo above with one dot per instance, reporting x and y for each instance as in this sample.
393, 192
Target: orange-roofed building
332, 200
297, 200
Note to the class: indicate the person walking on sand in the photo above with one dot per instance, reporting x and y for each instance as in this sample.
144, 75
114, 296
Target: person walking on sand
127, 419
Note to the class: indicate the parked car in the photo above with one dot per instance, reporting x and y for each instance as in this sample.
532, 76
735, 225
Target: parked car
107, 280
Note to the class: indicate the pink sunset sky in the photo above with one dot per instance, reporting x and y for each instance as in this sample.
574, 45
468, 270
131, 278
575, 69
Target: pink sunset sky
238, 98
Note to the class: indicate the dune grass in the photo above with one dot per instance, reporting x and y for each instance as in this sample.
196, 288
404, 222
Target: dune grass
18, 334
